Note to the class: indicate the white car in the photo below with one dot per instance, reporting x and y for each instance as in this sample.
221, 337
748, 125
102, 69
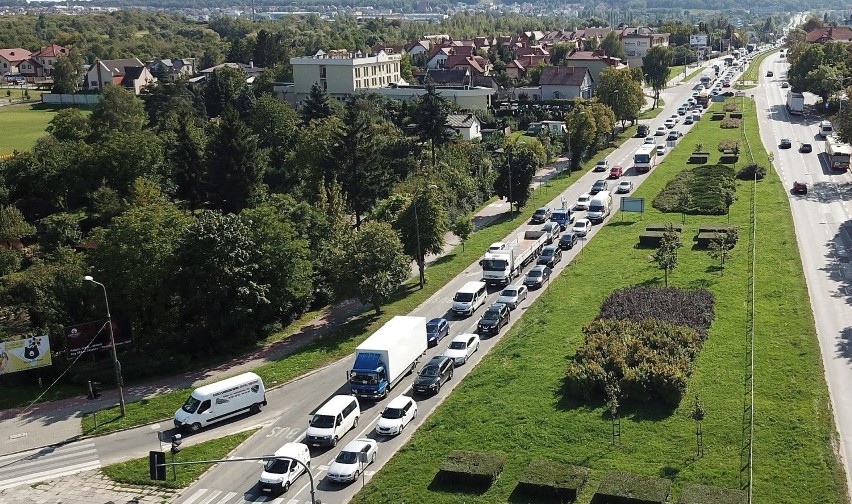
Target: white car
661, 149
583, 201
513, 295
462, 347
348, 465
675, 117
670, 123
582, 227
396, 415
624, 187
650, 139
661, 131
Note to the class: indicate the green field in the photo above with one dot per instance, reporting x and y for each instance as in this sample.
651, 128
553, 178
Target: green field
22, 125
513, 402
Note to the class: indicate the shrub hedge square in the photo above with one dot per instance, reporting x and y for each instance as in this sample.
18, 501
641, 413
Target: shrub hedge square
620, 487
690, 307
702, 494
472, 468
552, 479
707, 189
650, 239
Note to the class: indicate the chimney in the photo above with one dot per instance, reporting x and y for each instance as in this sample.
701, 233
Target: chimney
251, 64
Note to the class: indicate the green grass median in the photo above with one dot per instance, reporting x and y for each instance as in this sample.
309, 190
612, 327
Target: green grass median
514, 402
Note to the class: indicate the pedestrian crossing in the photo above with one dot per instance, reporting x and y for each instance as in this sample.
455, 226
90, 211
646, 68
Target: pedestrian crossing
47, 463
210, 496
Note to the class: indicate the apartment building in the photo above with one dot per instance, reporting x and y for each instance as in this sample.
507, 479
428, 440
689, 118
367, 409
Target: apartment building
342, 73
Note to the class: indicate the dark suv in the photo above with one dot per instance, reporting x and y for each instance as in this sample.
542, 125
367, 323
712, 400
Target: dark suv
435, 373
494, 318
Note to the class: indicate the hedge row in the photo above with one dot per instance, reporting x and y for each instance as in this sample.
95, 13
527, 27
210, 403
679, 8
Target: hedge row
705, 190
620, 487
688, 307
702, 494
472, 468
561, 482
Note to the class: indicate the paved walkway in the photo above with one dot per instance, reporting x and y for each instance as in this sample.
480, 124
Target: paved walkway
89, 487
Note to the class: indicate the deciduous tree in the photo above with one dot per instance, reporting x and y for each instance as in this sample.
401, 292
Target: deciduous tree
422, 225
522, 160
617, 90
68, 74
666, 254
655, 64
374, 264
118, 111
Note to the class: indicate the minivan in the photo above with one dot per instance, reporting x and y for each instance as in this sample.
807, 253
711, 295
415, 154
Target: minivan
221, 401
825, 129
600, 206
333, 420
470, 297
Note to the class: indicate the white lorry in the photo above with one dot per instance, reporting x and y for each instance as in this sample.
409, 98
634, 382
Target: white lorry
600, 207
795, 103
220, 401
501, 266
384, 358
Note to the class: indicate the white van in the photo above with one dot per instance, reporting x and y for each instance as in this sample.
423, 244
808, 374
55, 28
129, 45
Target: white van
333, 420
825, 129
470, 297
220, 401
600, 206
279, 473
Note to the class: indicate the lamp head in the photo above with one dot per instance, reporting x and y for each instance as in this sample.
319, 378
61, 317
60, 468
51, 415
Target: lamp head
88, 278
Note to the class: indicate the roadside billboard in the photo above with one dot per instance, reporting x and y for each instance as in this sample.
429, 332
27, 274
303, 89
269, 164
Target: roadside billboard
636, 205
93, 336
25, 354
698, 40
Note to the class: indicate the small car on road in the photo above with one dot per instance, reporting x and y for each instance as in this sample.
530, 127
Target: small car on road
462, 347
582, 227
602, 165
513, 295
537, 276
550, 255
347, 466
800, 187
583, 202
436, 330
624, 187
494, 318
616, 172
567, 240
396, 415
785, 143
806, 147
433, 375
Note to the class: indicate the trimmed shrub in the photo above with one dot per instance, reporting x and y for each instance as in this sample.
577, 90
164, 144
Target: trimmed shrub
729, 146
750, 171
731, 123
662, 227
702, 494
717, 116
620, 487
472, 468
704, 190
553, 480
730, 107
688, 307
650, 239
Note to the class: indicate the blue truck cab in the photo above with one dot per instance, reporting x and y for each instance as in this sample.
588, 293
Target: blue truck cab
368, 377
563, 217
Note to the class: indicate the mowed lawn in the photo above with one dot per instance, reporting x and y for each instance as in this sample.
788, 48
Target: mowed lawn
513, 402
21, 126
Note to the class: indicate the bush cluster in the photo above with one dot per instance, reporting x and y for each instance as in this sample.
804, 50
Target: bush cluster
751, 171
687, 307
648, 360
472, 468
729, 146
702, 494
704, 190
730, 107
731, 123
618, 487
561, 482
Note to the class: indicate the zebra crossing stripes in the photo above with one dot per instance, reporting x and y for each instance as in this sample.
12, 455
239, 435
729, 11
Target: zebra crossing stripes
47, 463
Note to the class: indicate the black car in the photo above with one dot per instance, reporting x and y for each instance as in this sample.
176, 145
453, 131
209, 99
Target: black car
494, 318
785, 143
435, 373
599, 186
567, 240
806, 147
550, 255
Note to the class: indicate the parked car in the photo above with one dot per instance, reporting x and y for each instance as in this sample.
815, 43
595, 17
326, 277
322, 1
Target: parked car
583, 202
602, 165
541, 215
785, 143
494, 318
582, 227
624, 187
513, 295
599, 186
661, 149
550, 255
396, 415
616, 172
436, 330
567, 240
806, 147
800, 187
537, 276
433, 375
462, 347
347, 466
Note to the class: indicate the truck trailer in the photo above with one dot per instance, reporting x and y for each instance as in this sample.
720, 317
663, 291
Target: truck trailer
384, 358
501, 266
795, 103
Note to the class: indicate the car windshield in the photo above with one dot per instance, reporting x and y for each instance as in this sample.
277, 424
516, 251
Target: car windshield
364, 378
540, 213
191, 405
430, 371
346, 457
547, 253
393, 413
491, 315
559, 216
432, 327
583, 198
534, 273
322, 421
510, 292
464, 297
458, 345
277, 466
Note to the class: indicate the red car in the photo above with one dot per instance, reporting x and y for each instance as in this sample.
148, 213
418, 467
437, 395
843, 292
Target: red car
616, 171
800, 187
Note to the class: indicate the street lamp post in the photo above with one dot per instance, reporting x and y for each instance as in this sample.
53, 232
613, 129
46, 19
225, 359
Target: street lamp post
420, 265
118, 379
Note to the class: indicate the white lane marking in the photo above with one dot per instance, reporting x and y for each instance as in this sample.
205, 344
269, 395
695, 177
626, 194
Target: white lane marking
195, 496
210, 499
42, 476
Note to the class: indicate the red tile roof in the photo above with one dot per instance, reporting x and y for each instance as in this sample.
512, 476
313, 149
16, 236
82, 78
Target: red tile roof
50, 51
15, 55
563, 76
838, 33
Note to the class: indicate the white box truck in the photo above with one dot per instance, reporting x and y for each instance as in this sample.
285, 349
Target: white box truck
501, 266
600, 207
384, 358
220, 401
795, 103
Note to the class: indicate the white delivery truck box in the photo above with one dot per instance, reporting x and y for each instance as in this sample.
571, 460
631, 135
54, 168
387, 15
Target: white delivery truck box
220, 401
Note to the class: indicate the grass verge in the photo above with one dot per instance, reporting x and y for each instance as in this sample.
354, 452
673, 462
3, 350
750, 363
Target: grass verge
22, 125
652, 113
135, 472
343, 341
514, 403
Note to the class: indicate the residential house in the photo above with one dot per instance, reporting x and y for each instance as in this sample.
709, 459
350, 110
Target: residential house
531, 61
477, 65
448, 77
420, 47
565, 83
639, 40
343, 73
516, 69
136, 78
251, 71
835, 33
587, 34
466, 125
11, 59
103, 72
438, 56
31, 69
595, 61
45, 59
172, 69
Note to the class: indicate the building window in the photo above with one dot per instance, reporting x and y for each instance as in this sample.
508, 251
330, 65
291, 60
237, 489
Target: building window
324, 85
94, 84
322, 72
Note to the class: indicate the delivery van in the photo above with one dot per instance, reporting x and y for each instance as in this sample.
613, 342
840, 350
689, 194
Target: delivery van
279, 473
333, 420
470, 297
600, 207
220, 401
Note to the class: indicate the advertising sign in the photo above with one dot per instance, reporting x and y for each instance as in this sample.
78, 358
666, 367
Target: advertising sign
698, 40
94, 335
21, 355
636, 205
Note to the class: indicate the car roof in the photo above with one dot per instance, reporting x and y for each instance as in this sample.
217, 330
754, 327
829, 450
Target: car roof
399, 401
538, 267
463, 337
356, 444
541, 208
496, 306
436, 320
436, 360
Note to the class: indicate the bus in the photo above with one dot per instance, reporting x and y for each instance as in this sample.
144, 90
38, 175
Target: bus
705, 79
838, 153
645, 158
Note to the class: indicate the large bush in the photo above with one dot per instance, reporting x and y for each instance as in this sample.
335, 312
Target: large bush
751, 172
704, 190
688, 307
472, 468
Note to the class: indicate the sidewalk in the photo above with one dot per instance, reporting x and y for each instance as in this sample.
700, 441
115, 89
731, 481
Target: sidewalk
59, 422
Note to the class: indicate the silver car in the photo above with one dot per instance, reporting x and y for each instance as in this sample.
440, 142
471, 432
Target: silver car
513, 295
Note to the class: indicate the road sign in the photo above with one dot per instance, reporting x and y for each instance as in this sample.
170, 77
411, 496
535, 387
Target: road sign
771, 157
